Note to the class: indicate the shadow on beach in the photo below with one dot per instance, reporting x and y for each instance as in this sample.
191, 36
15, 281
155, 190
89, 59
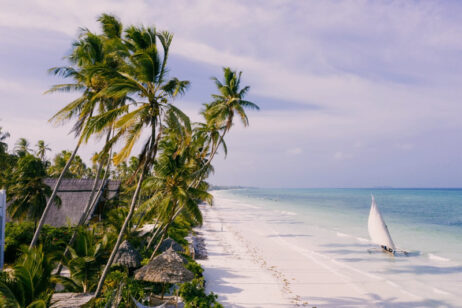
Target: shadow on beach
428, 270
217, 277
382, 302
289, 235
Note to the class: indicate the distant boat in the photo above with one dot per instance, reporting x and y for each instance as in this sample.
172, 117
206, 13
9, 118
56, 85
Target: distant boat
378, 230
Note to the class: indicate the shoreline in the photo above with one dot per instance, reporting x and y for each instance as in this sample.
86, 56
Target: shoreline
251, 263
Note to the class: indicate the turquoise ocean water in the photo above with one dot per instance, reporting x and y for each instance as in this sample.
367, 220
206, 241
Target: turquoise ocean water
329, 227
425, 221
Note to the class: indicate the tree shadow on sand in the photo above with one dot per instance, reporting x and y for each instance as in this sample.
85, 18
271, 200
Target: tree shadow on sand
375, 300
289, 235
428, 270
219, 284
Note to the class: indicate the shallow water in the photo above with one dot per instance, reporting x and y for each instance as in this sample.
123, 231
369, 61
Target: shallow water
333, 224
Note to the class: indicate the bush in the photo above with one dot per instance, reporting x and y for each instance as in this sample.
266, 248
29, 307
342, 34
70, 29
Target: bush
18, 234
131, 288
195, 268
193, 294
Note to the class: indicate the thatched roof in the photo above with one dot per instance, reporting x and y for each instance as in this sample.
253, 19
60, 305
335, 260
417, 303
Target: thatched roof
74, 195
167, 267
127, 256
70, 300
170, 243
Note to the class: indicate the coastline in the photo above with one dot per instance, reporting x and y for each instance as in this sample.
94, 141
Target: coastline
252, 264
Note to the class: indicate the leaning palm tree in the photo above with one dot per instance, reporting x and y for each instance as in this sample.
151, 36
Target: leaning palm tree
174, 173
144, 76
89, 51
228, 102
218, 116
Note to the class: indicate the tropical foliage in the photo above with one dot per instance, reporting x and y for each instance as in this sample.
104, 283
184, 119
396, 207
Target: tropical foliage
86, 256
29, 284
126, 96
27, 193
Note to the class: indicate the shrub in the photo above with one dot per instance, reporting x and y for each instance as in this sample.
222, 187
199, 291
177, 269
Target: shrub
18, 234
193, 294
195, 268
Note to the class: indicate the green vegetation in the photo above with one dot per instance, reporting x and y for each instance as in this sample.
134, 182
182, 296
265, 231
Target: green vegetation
126, 92
30, 283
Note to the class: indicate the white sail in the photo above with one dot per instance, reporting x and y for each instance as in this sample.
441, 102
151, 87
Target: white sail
378, 230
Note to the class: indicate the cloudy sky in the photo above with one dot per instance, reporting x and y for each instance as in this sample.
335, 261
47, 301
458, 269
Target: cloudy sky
352, 93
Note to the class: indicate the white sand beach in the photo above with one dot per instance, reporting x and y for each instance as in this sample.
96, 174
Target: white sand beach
250, 264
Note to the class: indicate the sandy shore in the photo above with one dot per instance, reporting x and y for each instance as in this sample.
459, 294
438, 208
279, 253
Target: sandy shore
250, 264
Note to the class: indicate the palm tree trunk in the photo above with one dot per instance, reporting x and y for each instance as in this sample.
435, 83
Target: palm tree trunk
158, 244
52, 197
165, 230
121, 233
214, 151
155, 233
212, 154
88, 209
150, 154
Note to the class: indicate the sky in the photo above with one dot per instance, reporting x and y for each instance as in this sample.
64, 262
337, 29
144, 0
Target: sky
352, 93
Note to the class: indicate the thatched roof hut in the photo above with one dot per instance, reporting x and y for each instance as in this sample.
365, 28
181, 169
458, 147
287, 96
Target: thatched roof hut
127, 256
170, 243
167, 267
74, 195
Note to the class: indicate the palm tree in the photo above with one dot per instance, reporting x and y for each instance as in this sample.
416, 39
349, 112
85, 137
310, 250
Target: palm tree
42, 148
30, 282
89, 51
3, 144
86, 258
145, 76
174, 173
27, 193
218, 117
22, 147
77, 168
228, 102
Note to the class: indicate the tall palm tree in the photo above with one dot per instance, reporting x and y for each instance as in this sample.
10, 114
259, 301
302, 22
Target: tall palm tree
228, 102
144, 76
89, 51
174, 172
42, 148
114, 53
218, 116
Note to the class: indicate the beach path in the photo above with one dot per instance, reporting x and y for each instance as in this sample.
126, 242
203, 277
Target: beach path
234, 272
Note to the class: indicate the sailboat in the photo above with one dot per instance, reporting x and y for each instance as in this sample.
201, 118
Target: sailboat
378, 230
